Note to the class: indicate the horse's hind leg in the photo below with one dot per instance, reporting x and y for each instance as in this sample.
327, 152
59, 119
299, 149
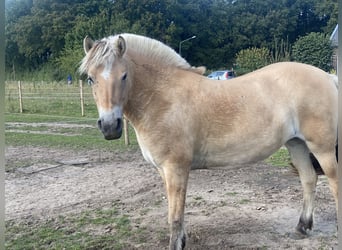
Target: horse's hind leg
299, 154
328, 163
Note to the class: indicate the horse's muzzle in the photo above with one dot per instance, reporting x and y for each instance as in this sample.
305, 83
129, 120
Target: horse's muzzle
111, 129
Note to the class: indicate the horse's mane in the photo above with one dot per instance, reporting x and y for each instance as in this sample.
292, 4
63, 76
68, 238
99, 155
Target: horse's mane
157, 52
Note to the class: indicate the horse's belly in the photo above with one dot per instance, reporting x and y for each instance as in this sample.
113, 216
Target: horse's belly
216, 157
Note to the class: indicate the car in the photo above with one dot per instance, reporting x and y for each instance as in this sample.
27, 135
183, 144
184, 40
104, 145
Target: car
222, 75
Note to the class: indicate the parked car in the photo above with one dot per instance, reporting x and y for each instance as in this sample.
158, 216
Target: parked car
222, 75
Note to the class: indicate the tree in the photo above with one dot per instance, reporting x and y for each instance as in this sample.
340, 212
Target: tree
40, 32
314, 49
14, 10
251, 59
328, 9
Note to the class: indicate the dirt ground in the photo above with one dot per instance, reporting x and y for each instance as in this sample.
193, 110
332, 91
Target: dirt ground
248, 207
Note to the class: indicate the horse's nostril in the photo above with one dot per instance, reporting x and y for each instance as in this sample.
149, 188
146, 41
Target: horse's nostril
118, 124
99, 123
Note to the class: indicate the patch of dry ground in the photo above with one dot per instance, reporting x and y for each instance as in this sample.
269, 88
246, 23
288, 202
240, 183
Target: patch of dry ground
248, 207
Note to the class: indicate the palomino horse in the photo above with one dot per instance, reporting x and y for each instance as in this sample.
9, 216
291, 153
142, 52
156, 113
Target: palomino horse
185, 121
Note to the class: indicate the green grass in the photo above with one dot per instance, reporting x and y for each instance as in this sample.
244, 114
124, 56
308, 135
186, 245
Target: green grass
232, 193
281, 158
50, 103
198, 198
75, 138
244, 201
35, 118
90, 229
49, 99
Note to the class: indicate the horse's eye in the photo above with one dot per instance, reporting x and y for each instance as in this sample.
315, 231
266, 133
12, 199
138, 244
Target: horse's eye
123, 78
90, 81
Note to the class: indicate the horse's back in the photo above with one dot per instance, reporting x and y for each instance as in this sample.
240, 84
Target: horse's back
295, 85
259, 112
293, 75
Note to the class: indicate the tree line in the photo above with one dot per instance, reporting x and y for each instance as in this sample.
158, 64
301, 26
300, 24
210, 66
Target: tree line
48, 34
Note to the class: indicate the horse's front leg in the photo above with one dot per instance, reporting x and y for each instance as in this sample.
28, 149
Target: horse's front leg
176, 178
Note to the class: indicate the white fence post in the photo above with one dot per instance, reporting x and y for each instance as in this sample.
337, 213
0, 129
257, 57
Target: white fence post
81, 96
20, 97
126, 131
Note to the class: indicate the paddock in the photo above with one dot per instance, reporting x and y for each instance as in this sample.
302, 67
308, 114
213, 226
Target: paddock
225, 208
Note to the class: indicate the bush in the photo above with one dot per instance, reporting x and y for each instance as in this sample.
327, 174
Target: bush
280, 51
251, 59
314, 49
69, 60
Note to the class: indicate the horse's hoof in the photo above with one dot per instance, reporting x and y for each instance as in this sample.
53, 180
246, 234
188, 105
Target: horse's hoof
298, 234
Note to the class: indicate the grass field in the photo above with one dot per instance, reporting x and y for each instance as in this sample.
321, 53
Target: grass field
46, 104
76, 231
49, 99
59, 132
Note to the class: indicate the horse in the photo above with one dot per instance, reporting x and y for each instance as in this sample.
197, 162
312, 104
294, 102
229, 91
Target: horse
184, 121
315, 163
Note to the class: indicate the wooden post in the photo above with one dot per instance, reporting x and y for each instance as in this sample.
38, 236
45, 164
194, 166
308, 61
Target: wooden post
13, 72
81, 96
20, 97
126, 131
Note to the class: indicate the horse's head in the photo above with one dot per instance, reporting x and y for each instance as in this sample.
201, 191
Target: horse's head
106, 68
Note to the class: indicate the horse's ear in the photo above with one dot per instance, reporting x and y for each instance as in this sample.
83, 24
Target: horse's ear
121, 46
199, 70
87, 44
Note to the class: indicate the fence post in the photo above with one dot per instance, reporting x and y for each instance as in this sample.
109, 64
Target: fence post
20, 97
81, 96
126, 131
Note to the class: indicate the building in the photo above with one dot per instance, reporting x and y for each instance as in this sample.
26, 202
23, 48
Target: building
334, 44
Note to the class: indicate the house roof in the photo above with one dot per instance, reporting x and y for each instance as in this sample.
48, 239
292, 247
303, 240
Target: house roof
334, 37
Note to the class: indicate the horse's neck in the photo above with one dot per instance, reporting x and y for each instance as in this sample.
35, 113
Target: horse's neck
144, 92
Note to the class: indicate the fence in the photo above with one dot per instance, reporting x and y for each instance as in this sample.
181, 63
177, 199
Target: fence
53, 99
43, 97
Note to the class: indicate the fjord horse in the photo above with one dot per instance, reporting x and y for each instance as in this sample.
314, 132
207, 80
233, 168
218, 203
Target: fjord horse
185, 121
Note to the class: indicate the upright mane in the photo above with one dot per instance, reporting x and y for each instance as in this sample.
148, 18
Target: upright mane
159, 53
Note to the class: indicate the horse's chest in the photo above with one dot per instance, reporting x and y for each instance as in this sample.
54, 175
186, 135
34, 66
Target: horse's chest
147, 155
145, 150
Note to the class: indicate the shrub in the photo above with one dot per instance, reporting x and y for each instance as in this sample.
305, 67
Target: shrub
314, 49
280, 51
251, 59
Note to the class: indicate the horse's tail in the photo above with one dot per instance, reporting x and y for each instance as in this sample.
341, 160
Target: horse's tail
315, 164
335, 79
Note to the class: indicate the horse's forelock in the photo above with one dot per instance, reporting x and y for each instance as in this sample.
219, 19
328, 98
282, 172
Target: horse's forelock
102, 51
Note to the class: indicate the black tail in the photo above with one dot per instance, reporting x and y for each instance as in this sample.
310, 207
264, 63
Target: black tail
316, 164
